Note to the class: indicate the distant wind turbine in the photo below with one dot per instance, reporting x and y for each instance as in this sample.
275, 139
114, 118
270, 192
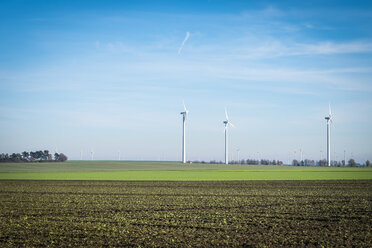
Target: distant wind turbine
227, 123
344, 158
91, 154
184, 117
329, 121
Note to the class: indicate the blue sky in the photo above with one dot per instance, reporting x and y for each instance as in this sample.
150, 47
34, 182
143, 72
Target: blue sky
111, 76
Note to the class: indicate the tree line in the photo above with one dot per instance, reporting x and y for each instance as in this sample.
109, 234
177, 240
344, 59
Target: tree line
305, 162
308, 162
37, 156
243, 161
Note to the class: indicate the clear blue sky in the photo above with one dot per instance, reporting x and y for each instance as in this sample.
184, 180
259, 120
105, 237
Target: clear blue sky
110, 76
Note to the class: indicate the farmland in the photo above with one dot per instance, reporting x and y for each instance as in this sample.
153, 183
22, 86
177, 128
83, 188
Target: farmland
165, 204
191, 214
168, 171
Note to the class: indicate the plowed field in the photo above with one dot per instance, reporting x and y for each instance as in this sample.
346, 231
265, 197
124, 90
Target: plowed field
185, 214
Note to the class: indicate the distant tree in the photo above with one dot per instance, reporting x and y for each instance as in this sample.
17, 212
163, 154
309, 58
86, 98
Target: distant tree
45, 155
322, 162
56, 156
368, 163
25, 155
16, 157
4, 157
62, 157
351, 163
32, 156
38, 155
264, 162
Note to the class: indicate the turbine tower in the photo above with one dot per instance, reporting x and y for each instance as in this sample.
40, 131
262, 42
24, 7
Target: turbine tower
329, 121
227, 123
184, 117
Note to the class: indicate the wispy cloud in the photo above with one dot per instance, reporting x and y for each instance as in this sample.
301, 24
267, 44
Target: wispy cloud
336, 48
277, 48
183, 42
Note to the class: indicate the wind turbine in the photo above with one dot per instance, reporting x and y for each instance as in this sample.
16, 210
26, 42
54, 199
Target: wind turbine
184, 117
227, 123
329, 121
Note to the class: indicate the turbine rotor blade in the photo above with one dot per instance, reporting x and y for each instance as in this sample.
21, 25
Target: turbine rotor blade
232, 124
227, 117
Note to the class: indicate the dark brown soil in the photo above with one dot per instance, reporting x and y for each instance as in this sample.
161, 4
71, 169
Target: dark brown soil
186, 214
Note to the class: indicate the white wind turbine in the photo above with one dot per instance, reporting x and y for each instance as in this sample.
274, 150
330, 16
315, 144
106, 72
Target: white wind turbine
227, 123
91, 154
329, 121
184, 117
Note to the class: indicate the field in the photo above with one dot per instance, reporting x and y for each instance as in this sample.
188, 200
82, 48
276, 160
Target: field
165, 204
185, 214
168, 171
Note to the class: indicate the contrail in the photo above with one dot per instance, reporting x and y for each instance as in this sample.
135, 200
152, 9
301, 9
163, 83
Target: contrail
183, 42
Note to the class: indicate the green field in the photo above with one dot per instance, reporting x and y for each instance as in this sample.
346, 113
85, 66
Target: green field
168, 171
186, 214
165, 204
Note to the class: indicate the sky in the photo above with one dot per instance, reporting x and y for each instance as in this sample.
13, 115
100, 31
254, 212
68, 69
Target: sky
111, 76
